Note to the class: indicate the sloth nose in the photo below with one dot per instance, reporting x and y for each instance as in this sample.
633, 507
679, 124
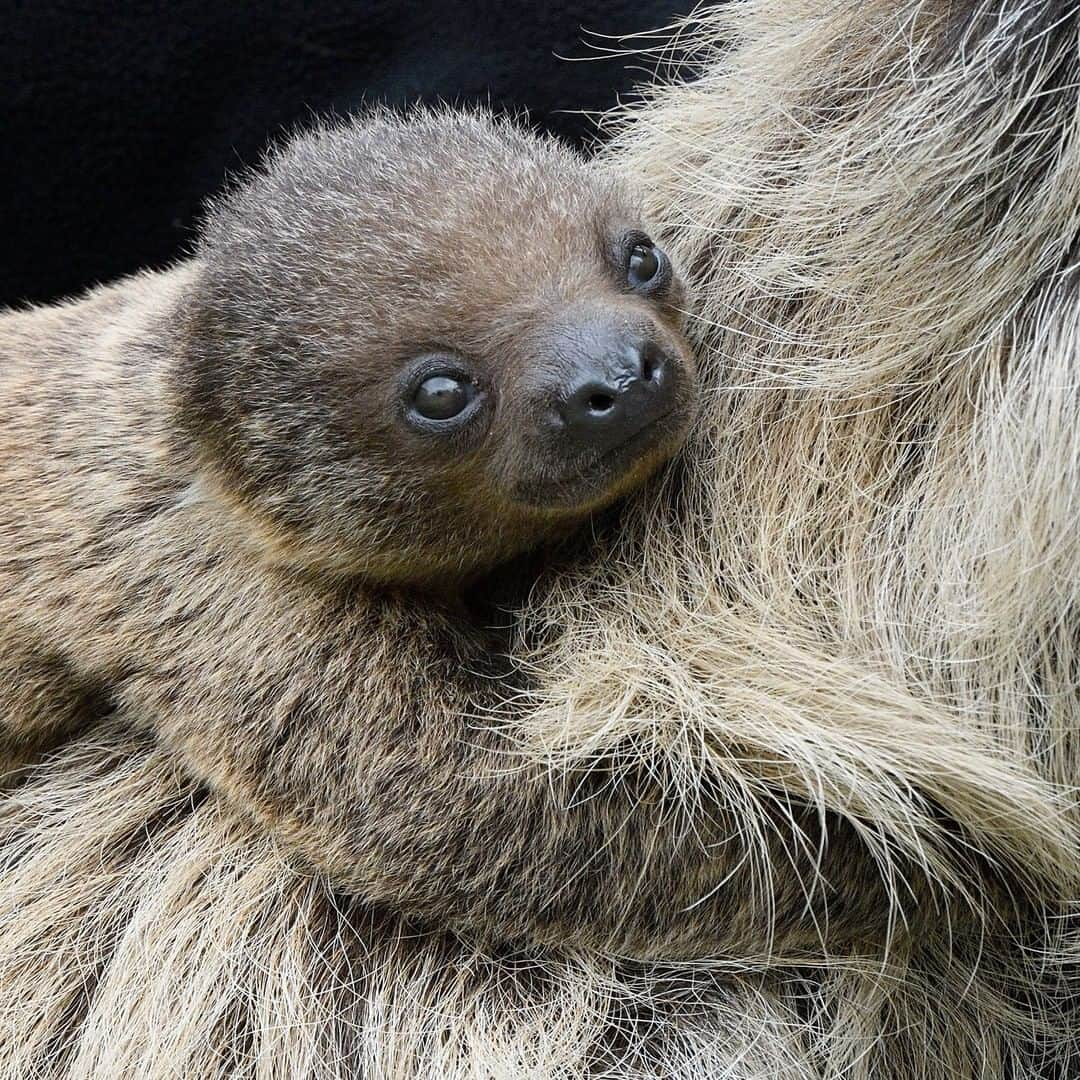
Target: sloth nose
610, 397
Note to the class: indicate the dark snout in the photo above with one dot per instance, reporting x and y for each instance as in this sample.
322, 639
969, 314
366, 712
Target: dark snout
610, 402
618, 383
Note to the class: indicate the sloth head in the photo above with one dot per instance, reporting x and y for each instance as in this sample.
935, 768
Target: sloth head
418, 346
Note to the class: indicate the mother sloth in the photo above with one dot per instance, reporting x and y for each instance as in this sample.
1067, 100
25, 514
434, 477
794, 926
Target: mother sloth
858, 592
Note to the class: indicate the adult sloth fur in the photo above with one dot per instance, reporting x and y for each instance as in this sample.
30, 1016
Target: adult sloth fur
858, 591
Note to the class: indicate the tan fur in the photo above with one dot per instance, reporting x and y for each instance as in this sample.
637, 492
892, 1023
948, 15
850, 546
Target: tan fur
860, 590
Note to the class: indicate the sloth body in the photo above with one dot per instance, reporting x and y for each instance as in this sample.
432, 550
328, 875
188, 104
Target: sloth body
226, 512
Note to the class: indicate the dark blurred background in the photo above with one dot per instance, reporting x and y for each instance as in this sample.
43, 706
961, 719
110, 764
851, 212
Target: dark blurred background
118, 119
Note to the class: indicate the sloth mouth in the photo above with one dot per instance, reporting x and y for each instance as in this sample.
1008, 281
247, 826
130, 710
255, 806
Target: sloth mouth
603, 478
632, 442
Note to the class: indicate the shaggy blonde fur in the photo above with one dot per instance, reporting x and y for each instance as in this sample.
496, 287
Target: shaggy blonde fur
858, 590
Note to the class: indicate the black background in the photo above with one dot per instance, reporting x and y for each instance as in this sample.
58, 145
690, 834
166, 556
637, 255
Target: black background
118, 119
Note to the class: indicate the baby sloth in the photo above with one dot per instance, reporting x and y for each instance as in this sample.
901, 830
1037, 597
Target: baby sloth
242, 498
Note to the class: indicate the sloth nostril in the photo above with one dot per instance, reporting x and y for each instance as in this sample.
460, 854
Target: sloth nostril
652, 365
601, 403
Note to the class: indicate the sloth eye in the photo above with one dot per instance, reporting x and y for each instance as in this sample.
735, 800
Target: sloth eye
646, 260
442, 397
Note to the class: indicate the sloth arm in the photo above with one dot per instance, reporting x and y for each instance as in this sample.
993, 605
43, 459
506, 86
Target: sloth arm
360, 731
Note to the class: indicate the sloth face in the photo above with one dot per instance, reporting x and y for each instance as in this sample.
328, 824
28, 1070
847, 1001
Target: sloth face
420, 346
620, 384
579, 402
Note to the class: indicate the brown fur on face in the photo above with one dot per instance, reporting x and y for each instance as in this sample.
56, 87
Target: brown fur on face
369, 255
169, 439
